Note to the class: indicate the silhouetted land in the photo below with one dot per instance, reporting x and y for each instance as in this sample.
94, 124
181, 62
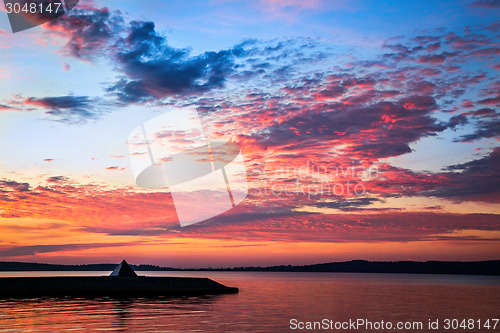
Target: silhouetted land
490, 267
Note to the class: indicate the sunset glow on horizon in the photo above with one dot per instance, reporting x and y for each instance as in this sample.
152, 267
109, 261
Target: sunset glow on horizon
370, 130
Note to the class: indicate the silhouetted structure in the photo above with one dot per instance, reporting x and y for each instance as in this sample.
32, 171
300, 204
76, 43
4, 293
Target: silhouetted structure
123, 269
123, 281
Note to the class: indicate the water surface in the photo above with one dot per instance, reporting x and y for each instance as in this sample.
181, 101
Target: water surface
267, 301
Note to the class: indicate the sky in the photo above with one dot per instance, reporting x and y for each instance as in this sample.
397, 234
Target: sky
369, 130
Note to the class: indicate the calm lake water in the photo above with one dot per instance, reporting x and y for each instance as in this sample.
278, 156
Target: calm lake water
266, 303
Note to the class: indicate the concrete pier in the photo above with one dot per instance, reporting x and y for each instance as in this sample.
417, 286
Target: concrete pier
110, 286
123, 281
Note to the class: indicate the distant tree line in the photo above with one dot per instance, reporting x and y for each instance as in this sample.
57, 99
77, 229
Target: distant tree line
490, 267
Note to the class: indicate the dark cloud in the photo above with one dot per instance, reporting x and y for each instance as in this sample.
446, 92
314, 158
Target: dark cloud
475, 180
456, 121
4, 107
57, 179
61, 102
487, 52
487, 165
359, 82
488, 128
67, 108
486, 4
331, 92
89, 31
151, 67
397, 48
381, 150
129, 91
433, 207
10, 192
484, 112
348, 205
422, 40
19, 251
490, 101
433, 47
379, 130
435, 58
158, 70
13, 186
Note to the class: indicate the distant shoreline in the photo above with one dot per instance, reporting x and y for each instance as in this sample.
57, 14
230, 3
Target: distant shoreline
488, 267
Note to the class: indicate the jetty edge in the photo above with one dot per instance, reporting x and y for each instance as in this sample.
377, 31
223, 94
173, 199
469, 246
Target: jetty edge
123, 281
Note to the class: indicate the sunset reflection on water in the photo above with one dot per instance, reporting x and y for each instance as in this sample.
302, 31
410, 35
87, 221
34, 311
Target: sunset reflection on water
266, 303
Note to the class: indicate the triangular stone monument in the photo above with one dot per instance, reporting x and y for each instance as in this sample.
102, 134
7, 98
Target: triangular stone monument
123, 269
